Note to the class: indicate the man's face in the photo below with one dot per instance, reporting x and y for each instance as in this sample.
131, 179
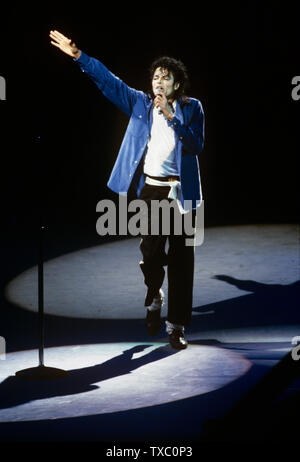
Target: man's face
164, 80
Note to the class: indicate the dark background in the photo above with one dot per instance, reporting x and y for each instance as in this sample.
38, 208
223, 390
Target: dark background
241, 59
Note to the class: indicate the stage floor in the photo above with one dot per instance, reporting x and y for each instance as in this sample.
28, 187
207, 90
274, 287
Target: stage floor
123, 385
114, 377
105, 281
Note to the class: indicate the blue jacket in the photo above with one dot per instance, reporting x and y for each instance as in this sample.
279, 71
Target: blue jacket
188, 124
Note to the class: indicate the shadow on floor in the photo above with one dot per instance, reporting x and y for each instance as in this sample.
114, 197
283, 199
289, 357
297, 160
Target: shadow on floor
269, 304
15, 390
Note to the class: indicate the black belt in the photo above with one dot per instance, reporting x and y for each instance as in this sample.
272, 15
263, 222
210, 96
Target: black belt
165, 178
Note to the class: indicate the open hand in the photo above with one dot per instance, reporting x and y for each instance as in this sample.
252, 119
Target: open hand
64, 44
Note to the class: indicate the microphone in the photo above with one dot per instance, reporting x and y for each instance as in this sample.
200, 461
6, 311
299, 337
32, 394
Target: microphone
159, 91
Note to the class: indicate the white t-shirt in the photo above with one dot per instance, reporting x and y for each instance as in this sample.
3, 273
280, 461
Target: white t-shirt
160, 156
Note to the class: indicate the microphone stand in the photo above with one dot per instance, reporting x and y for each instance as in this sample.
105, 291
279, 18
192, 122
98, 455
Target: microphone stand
41, 371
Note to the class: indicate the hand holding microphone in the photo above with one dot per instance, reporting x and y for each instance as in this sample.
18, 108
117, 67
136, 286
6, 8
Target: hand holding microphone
161, 102
159, 93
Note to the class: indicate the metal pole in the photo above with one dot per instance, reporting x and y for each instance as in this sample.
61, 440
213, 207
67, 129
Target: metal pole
41, 295
41, 371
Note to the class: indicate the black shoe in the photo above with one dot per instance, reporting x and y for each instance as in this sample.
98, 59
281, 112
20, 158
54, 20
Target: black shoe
177, 340
153, 322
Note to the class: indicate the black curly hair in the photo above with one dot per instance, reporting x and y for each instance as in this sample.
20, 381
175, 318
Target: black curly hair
178, 70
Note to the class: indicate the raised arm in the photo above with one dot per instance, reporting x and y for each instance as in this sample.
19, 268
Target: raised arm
111, 86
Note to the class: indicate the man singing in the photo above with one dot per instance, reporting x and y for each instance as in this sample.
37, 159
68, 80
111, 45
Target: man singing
158, 157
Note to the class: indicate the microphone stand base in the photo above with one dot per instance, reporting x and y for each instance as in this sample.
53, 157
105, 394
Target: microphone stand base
41, 373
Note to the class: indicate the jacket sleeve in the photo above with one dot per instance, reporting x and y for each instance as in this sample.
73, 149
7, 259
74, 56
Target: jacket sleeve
192, 134
111, 86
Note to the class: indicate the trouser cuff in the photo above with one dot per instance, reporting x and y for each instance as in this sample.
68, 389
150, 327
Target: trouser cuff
170, 327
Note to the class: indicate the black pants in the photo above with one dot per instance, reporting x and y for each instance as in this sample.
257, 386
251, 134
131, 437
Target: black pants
179, 260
